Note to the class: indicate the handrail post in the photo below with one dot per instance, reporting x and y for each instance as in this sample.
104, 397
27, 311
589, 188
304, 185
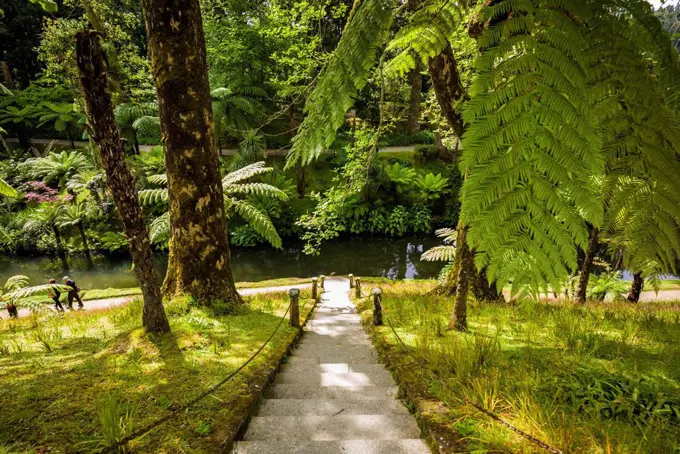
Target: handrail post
315, 288
357, 287
294, 307
351, 281
322, 282
377, 307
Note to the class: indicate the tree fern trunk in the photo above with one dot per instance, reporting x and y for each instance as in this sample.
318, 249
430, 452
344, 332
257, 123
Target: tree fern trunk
587, 265
413, 122
60, 248
636, 288
300, 184
200, 261
136, 142
448, 87
459, 315
86, 246
102, 122
483, 289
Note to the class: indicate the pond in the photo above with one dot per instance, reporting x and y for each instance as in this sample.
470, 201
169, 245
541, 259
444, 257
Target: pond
392, 258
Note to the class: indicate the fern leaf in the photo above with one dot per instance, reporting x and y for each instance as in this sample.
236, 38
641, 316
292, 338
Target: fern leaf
259, 221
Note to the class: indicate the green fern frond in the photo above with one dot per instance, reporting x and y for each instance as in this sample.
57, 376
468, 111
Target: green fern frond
262, 189
245, 173
6, 189
159, 231
160, 179
439, 254
342, 78
259, 221
153, 196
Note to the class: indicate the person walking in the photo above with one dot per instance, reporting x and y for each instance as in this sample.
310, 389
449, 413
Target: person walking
73, 293
54, 293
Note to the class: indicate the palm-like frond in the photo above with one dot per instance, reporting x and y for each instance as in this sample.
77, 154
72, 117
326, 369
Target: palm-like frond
35, 290
159, 231
16, 282
439, 254
245, 173
261, 189
160, 179
153, 196
343, 77
6, 189
259, 221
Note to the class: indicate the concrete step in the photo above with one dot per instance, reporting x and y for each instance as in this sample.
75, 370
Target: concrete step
338, 368
336, 379
340, 427
330, 407
413, 446
300, 391
337, 350
330, 357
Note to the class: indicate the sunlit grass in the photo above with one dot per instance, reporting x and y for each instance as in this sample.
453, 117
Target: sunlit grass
75, 382
600, 378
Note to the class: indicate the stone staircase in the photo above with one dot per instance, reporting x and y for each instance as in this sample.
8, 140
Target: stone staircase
333, 396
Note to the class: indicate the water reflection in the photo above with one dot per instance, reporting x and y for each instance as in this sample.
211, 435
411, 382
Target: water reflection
391, 258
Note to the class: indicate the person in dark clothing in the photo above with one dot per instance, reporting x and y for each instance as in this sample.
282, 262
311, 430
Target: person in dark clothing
73, 293
55, 294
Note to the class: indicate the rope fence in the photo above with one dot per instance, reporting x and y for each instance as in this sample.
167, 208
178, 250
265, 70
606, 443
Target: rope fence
146, 429
379, 316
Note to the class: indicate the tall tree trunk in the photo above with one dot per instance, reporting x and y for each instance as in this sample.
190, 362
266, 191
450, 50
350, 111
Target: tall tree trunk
593, 246
448, 87
413, 122
465, 276
483, 289
136, 142
70, 140
103, 127
113, 62
636, 288
200, 261
7, 75
86, 246
60, 248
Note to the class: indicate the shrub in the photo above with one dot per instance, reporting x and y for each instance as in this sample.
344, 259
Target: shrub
420, 219
397, 222
425, 153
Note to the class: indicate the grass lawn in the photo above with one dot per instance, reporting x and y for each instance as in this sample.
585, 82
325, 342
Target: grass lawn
604, 378
79, 381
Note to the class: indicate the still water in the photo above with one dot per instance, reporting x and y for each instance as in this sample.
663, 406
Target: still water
391, 258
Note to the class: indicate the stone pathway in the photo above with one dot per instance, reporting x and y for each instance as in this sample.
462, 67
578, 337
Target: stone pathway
333, 396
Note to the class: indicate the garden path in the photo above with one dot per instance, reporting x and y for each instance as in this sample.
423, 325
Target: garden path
333, 396
119, 301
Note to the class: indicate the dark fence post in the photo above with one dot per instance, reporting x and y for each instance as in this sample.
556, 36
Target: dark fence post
294, 307
357, 287
377, 307
322, 282
351, 281
315, 288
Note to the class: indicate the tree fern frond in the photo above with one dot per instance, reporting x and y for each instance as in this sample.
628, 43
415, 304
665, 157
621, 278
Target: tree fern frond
342, 78
259, 221
159, 231
439, 254
256, 189
245, 173
153, 196
160, 179
6, 189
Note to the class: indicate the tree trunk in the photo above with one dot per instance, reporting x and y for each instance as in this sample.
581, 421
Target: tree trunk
7, 75
636, 288
448, 87
467, 266
199, 262
587, 265
413, 122
70, 141
299, 168
86, 246
136, 142
60, 248
483, 289
119, 179
113, 63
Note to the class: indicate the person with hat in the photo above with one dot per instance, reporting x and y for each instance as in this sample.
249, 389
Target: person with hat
73, 293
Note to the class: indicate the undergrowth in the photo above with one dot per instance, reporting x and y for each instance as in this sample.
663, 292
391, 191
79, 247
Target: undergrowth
81, 381
601, 378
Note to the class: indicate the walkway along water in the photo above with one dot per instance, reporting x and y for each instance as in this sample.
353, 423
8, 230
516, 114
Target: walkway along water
333, 396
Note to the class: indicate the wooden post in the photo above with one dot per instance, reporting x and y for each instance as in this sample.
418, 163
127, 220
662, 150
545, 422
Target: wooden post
351, 281
315, 288
377, 307
357, 287
294, 307
322, 282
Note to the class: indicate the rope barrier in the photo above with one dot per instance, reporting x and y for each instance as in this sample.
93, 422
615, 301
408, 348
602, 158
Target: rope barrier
490, 414
138, 433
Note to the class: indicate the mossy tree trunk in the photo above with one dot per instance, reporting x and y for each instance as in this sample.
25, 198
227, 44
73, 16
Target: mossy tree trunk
103, 129
413, 121
465, 276
636, 288
584, 277
300, 183
60, 248
199, 262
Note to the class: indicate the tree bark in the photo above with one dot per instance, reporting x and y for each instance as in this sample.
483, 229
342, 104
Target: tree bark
459, 315
413, 122
483, 289
300, 184
448, 87
119, 179
136, 142
86, 246
7, 75
593, 246
200, 261
60, 248
636, 288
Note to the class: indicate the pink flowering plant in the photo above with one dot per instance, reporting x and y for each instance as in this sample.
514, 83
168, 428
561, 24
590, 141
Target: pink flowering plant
38, 192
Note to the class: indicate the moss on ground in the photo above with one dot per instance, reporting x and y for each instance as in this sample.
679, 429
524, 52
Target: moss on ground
600, 378
76, 382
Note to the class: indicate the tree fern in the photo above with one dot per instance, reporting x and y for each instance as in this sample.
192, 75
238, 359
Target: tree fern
342, 78
6, 189
259, 221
